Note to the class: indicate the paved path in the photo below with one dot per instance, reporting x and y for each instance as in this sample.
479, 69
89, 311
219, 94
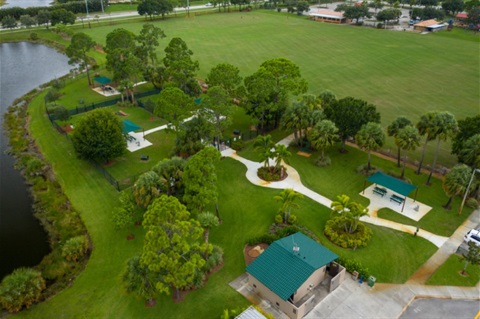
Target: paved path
294, 182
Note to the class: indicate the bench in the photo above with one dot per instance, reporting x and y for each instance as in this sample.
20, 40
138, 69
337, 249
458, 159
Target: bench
121, 113
380, 191
396, 199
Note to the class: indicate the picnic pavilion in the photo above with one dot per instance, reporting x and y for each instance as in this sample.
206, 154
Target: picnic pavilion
103, 80
396, 185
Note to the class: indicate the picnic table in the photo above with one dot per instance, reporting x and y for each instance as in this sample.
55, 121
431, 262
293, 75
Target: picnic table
380, 191
396, 199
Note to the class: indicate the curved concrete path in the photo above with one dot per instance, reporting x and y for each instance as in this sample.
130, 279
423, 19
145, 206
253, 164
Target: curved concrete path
293, 181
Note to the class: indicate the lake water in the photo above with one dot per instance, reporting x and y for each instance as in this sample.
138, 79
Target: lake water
23, 67
26, 3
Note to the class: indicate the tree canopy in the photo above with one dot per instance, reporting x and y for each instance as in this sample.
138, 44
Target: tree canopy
98, 136
226, 76
80, 44
200, 179
349, 114
172, 248
268, 90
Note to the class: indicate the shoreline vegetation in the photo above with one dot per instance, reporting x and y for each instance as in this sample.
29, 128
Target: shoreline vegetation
52, 207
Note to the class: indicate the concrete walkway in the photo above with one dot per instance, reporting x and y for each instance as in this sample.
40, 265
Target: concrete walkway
294, 182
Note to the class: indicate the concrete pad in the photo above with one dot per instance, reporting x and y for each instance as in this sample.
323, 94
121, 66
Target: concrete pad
378, 202
138, 143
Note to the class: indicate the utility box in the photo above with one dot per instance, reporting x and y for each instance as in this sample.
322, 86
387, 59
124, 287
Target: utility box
371, 281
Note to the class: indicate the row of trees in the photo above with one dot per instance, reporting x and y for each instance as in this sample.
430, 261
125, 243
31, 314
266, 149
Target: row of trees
166, 198
71, 6
43, 17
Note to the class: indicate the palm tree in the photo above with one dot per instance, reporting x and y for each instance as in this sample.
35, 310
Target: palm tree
263, 145
281, 154
323, 135
447, 126
370, 137
470, 152
207, 220
392, 130
351, 212
353, 216
407, 139
426, 126
455, 182
287, 197
296, 117
340, 206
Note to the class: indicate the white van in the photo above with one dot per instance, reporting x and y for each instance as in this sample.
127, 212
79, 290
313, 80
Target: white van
472, 235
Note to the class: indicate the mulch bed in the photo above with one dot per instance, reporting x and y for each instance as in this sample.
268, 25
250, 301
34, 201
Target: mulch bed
67, 128
249, 257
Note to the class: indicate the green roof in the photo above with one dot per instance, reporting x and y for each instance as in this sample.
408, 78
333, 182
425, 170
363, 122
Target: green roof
392, 183
102, 80
129, 126
282, 270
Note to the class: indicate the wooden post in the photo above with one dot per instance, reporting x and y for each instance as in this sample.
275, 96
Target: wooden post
404, 200
416, 192
364, 184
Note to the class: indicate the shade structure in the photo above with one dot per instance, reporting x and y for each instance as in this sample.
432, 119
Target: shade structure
129, 126
392, 183
102, 80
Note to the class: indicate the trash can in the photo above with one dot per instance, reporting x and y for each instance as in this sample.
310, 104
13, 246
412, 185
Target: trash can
371, 281
355, 275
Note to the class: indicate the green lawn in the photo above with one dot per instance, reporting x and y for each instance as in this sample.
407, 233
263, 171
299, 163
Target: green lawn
341, 178
402, 73
449, 274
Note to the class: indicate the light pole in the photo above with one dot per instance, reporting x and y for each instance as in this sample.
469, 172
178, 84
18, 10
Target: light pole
466, 191
88, 18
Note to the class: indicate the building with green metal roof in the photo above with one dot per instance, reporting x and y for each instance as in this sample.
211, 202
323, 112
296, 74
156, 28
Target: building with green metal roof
288, 270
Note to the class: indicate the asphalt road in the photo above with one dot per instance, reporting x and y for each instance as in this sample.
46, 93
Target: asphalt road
442, 309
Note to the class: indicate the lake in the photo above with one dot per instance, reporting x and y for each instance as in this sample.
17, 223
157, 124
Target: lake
23, 67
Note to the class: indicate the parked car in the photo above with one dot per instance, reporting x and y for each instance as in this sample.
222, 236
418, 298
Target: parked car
472, 235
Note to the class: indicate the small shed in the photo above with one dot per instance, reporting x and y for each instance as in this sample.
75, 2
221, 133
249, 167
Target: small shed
395, 184
328, 16
431, 25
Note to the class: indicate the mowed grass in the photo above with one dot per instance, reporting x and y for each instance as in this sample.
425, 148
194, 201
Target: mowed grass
402, 73
341, 178
450, 273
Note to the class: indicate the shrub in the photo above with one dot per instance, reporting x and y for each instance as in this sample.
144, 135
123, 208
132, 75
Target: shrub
472, 203
322, 163
267, 239
334, 231
21, 288
380, 25
61, 113
75, 248
238, 145
268, 174
34, 166
353, 265
33, 36
292, 219
362, 169
198, 280
279, 219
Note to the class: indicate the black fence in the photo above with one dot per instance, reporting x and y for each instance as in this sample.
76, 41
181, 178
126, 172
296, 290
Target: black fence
119, 185
86, 108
